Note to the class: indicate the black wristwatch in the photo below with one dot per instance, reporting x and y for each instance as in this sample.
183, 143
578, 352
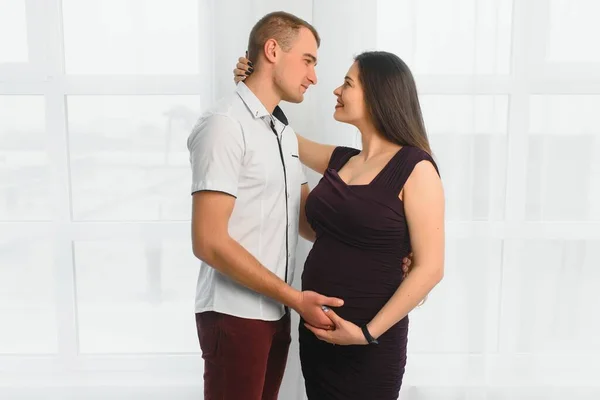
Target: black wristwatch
370, 339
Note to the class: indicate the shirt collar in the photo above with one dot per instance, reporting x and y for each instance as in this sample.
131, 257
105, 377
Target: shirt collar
256, 108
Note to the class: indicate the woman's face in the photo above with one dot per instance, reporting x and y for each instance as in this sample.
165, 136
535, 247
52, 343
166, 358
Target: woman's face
350, 107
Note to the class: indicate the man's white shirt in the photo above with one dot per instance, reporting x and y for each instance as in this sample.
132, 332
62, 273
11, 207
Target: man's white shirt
234, 149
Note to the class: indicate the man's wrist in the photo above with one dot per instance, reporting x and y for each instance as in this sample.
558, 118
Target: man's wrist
292, 298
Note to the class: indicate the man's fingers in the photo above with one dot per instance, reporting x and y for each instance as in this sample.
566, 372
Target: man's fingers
406, 262
323, 322
319, 333
316, 331
326, 327
333, 316
331, 301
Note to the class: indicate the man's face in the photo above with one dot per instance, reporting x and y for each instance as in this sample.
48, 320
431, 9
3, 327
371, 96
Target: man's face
295, 71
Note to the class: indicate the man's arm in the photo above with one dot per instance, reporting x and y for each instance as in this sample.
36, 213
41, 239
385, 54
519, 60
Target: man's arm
213, 245
216, 152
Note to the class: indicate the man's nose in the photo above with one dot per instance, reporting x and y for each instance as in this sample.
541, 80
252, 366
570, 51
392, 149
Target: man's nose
312, 76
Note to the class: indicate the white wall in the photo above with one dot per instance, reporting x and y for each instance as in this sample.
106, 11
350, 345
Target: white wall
96, 272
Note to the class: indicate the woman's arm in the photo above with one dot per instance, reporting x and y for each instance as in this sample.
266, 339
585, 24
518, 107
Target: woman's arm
314, 155
424, 209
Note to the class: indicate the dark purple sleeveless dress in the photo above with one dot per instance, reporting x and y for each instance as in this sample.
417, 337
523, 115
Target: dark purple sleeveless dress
362, 237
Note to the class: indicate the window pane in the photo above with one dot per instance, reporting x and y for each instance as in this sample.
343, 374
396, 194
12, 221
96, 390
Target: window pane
447, 37
129, 157
468, 138
27, 297
573, 27
25, 179
136, 297
458, 314
557, 282
131, 36
13, 32
563, 167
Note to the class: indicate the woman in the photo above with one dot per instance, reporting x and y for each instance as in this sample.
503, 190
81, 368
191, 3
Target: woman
370, 209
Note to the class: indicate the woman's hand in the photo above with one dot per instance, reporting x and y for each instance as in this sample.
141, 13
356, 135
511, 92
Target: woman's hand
243, 68
345, 332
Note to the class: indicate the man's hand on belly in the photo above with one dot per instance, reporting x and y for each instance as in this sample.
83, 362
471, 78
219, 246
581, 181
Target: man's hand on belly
309, 306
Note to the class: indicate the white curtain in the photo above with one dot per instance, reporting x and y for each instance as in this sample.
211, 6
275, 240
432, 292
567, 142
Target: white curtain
97, 276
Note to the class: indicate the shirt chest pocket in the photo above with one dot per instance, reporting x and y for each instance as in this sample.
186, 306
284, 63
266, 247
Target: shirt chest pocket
296, 174
295, 177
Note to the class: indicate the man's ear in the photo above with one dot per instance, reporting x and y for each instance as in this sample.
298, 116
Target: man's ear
271, 50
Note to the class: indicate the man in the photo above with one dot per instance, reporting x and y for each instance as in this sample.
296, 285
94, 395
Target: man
247, 185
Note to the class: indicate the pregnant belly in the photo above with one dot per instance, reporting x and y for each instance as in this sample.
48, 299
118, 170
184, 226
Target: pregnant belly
364, 279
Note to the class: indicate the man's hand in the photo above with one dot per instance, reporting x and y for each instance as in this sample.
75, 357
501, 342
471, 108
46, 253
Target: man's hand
309, 306
406, 265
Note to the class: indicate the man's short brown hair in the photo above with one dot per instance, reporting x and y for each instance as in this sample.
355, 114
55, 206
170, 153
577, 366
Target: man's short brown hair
280, 26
